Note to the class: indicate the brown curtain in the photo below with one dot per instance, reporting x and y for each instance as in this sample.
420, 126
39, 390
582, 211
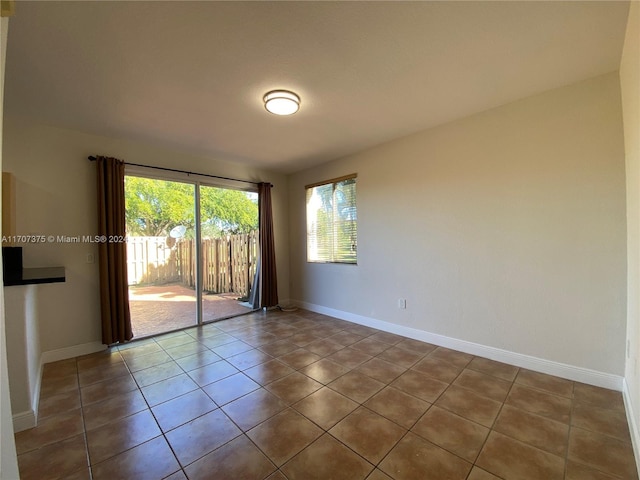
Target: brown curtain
268, 277
114, 294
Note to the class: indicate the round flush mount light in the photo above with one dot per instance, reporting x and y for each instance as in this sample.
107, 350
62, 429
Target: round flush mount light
281, 102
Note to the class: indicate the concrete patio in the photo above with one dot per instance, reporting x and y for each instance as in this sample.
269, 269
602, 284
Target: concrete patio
162, 308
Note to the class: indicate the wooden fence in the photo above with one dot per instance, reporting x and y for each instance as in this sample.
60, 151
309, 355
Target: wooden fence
228, 264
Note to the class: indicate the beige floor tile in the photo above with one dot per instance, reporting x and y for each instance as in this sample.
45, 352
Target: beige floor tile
57, 404
378, 475
485, 385
268, 372
100, 373
386, 337
151, 375
62, 368
576, 471
103, 358
327, 458
238, 459
349, 357
414, 458
324, 347
197, 360
50, 430
548, 383
368, 434
601, 452
113, 408
212, 372
260, 338
293, 387
303, 338
289, 378
147, 361
397, 406
179, 475
186, 350
357, 387
54, 461
370, 346
479, 474
416, 346
420, 386
380, 370
173, 340
299, 358
167, 389
325, 407
611, 422
116, 437
254, 408
101, 391
231, 349
276, 349
57, 386
249, 359
459, 359
324, 371
540, 432
541, 403
493, 368
151, 460
230, 388
183, 409
201, 436
469, 405
400, 357
597, 397
510, 459
452, 432
346, 338
284, 435
438, 369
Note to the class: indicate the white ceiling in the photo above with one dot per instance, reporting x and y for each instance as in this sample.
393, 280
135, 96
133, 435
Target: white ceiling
191, 75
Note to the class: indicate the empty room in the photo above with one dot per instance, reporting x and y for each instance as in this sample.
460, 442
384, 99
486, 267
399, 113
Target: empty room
320, 240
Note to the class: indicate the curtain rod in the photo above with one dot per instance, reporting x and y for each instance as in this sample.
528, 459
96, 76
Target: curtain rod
93, 159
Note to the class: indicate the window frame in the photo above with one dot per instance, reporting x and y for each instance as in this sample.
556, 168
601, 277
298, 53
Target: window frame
333, 256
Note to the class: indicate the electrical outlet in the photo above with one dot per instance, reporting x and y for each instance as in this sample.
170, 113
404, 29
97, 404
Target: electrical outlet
402, 303
90, 258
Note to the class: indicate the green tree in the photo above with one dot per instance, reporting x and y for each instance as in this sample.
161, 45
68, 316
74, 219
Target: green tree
154, 207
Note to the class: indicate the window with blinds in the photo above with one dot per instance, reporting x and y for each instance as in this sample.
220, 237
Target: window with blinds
331, 221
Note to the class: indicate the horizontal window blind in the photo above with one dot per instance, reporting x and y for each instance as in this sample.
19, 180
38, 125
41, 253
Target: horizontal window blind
332, 221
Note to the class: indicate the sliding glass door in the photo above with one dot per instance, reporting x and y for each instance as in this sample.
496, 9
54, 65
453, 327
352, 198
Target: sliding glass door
160, 219
191, 254
229, 250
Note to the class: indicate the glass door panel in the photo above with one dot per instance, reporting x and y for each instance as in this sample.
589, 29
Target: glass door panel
229, 250
161, 254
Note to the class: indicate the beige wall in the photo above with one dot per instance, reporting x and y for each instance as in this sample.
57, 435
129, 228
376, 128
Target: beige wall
55, 195
630, 86
505, 229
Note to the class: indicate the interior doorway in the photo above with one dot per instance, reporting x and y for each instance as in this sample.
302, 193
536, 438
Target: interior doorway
191, 253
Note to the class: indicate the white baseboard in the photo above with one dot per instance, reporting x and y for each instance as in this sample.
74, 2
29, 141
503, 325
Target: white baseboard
633, 425
70, 352
24, 421
570, 372
29, 418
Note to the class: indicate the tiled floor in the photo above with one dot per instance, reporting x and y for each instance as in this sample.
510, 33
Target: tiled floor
304, 396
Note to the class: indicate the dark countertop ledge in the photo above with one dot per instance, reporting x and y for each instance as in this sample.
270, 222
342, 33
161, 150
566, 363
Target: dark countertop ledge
33, 276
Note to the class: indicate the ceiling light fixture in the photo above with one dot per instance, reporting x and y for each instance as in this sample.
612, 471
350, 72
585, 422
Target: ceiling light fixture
281, 102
